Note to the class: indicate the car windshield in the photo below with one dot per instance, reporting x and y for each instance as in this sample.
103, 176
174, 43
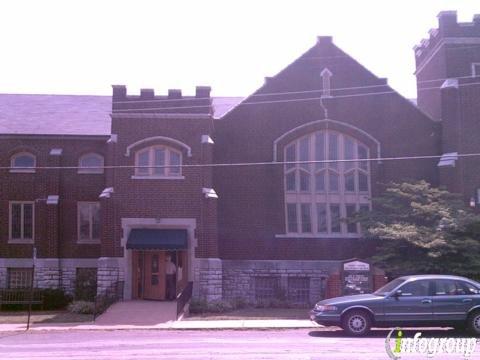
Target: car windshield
386, 289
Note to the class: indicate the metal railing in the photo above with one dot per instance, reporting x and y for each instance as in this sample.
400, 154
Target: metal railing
21, 297
111, 295
184, 297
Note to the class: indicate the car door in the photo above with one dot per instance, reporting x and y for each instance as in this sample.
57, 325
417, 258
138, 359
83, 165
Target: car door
452, 299
412, 305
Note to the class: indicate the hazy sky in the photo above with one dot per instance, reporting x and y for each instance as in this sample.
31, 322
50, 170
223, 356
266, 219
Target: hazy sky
82, 47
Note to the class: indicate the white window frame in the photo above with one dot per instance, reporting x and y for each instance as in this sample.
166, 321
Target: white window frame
90, 240
21, 239
14, 169
86, 170
26, 277
474, 65
168, 175
340, 197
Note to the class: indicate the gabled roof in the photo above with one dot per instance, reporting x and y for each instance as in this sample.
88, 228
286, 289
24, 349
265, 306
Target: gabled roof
81, 115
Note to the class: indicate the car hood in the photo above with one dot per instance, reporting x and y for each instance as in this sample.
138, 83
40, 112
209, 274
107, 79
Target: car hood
351, 299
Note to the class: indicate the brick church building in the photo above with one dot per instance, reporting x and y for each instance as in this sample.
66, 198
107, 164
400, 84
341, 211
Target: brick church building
114, 186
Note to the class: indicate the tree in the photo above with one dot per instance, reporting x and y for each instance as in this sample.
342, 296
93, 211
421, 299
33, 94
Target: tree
422, 229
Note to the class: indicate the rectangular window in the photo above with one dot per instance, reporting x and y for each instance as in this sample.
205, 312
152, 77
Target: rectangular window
320, 149
290, 181
292, 218
290, 156
476, 69
21, 221
333, 149
322, 218
304, 153
306, 218
86, 284
335, 218
351, 226
159, 155
362, 182
332, 181
320, 181
266, 287
349, 153
19, 278
363, 154
143, 162
175, 161
304, 181
299, 290
88, 221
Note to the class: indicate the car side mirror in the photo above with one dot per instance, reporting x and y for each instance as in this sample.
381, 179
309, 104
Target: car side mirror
397, 294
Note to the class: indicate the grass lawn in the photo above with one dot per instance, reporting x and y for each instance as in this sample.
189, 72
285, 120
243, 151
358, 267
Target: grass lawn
20, 317
253, 314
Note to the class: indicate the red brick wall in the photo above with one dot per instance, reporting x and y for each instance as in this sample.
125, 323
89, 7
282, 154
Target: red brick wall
162, 198
251, 199
55, 226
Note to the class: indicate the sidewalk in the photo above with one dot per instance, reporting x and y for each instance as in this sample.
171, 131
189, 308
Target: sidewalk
170, 325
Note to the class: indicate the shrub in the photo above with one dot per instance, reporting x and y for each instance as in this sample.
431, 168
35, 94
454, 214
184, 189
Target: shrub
199, 306
82, 307
54, 299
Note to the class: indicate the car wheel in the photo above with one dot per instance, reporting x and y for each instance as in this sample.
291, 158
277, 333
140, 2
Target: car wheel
474, 322
357, 323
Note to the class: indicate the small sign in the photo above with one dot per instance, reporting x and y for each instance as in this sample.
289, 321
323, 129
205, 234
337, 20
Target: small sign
356, 266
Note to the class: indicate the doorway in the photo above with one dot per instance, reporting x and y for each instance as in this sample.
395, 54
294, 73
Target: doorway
150, 275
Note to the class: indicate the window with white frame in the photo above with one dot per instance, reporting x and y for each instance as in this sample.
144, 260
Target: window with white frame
19, 278
88, 221
158, 161
22, 221
475, 69
90, 164
22, 162
319, 196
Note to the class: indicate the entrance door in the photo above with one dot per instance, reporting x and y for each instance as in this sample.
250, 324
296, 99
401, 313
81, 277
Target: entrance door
154, 281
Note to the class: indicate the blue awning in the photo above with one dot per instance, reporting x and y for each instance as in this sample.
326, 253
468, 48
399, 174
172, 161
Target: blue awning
157, 239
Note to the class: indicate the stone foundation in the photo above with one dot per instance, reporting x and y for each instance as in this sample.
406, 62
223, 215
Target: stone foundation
207, 282
239, 277
109, 273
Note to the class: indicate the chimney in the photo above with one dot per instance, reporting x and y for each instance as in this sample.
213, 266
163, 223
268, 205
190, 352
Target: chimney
119, 92
447, 21
147, 94
324, 39
202, 91
174, 93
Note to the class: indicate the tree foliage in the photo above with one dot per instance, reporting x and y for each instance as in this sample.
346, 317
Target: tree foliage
422, 229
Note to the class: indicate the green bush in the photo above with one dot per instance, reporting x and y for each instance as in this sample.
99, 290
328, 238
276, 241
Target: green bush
82, 307
200, 306
55, 299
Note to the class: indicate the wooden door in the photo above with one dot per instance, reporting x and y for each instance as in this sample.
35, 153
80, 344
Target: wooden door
154, 281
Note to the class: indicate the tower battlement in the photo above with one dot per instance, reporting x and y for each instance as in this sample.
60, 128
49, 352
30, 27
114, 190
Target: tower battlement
448, 27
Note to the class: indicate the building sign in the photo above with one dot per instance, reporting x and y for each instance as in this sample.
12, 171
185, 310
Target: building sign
356, 278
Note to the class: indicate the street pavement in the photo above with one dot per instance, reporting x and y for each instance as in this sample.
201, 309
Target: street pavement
311, 344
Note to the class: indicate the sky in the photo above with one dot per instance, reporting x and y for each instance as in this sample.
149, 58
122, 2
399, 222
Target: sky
84, 47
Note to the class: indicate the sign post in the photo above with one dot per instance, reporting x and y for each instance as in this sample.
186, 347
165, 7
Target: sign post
34, 256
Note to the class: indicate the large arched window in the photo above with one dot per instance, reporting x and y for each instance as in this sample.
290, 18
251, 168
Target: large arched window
22, 162
319, 195
90, 164
164, 162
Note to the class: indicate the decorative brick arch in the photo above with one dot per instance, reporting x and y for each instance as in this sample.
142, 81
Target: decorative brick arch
324, 124
159, 138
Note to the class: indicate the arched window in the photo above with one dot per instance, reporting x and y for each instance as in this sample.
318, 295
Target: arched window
90, 164
164, 162
319, 195
22, 162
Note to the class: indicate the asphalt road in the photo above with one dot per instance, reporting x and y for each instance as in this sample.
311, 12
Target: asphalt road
217, 344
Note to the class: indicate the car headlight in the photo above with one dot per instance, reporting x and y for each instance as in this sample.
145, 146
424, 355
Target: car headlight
324, 308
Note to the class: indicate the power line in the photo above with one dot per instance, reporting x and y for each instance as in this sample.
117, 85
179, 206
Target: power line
287, 100
377, 159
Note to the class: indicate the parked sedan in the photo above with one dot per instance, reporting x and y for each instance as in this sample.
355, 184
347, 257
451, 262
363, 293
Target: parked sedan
419, 300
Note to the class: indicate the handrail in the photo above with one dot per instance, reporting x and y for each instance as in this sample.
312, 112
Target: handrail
184, 297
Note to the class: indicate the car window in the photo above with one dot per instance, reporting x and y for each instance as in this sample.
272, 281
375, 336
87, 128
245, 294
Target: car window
464, 288
445, 287
416, 288
384, 290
